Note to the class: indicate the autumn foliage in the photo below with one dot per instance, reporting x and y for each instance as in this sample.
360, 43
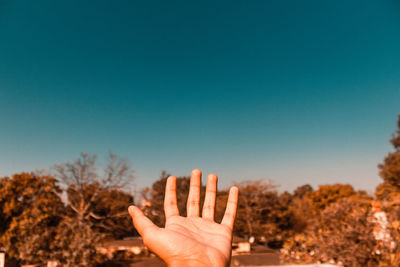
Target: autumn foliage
44, 218
65, 214
30, 213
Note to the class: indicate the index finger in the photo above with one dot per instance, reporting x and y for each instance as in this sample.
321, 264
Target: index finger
231, 207
170, 204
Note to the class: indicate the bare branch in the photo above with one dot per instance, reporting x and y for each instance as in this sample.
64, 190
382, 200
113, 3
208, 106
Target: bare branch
97, 217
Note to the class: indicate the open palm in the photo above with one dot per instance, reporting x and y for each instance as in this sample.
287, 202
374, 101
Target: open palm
191, 240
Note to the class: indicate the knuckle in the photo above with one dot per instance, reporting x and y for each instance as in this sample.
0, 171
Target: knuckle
193, 202
209, 207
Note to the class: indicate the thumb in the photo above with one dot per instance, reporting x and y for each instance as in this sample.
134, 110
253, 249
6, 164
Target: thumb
142, 224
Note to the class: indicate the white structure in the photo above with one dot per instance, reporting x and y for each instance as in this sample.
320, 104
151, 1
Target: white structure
381, 229
2, 258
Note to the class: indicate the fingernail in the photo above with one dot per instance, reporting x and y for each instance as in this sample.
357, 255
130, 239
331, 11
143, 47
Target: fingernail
131, 209
196, 171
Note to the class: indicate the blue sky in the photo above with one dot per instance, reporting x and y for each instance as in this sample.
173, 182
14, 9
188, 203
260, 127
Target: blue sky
293, 91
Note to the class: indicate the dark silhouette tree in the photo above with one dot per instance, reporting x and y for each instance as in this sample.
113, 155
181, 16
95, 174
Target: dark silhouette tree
111, 206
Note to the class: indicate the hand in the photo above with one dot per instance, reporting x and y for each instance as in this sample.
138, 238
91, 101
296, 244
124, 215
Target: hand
191, 240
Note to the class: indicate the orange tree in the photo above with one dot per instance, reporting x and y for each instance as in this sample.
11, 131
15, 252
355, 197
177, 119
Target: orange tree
328, 194
30, 214
342, 226
388, 192
320, 233
343, 234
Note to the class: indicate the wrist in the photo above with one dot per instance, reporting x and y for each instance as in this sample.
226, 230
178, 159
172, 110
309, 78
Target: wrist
194, 263
182, 263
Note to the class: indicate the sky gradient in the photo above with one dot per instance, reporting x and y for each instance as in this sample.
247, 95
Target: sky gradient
293, 91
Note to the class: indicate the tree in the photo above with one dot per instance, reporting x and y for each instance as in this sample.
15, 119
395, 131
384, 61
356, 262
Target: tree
389, 190
268, 216
85, 222
390, 169
396, 136
111, 206
255, 202
343, 234
301, 191
329, 194
346, 233
302, 208
277, 219
30, 212
388, 193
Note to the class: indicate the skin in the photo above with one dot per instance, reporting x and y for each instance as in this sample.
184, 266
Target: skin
191, 240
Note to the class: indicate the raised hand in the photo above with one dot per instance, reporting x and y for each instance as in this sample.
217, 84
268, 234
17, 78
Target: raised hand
191, 240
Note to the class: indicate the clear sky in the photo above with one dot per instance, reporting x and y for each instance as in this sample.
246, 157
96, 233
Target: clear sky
293, 91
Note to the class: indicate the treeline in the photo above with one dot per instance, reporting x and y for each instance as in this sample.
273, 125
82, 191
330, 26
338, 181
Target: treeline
333, 223
347, 227
65, 215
